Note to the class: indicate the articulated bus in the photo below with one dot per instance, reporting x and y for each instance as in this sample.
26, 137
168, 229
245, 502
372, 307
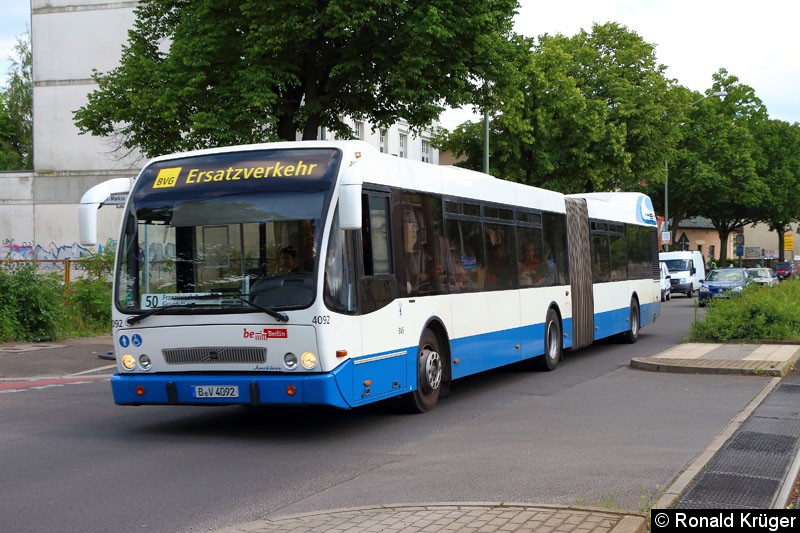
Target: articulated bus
327, 273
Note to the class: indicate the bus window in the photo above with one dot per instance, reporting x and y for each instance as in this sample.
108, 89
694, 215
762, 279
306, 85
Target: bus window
601, 259
426, 254
532, 268
555, 250
466, 246
619, 258
377, 246
339, 275
501, 257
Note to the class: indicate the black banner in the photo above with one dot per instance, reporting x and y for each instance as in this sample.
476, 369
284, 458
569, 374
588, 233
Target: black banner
769, 520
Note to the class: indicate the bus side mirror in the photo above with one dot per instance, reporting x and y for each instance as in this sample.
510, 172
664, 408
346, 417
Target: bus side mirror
110, 192
350, 200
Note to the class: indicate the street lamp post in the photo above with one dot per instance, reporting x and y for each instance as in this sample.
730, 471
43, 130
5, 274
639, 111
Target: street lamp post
721, 94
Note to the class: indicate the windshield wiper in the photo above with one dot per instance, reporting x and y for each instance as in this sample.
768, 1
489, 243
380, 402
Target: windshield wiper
281, 317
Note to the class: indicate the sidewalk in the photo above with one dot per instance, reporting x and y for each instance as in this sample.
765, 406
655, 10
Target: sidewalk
766, 431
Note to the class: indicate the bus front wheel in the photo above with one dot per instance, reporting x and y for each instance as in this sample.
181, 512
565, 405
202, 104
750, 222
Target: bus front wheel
430, 369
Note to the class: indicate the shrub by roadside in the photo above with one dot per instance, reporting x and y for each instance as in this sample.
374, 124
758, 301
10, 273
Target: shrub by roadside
757, 314
32, 305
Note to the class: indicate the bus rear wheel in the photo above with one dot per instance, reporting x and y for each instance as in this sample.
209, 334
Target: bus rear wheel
632, 335
430, 369
553, 348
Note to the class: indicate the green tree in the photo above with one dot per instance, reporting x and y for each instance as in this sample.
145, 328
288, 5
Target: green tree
715, 175
216, 72
596, 113
779, 167
16, 110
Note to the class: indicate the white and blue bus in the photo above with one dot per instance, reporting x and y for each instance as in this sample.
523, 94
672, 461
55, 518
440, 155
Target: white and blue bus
327, 273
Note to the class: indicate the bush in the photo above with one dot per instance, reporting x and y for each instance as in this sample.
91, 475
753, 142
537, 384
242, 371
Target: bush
759, 313
89, 311
32, 305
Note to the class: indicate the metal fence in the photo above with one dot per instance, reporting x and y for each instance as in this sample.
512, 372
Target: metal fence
72, 268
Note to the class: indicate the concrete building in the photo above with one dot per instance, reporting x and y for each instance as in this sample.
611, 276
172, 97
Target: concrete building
756, 244
39, 209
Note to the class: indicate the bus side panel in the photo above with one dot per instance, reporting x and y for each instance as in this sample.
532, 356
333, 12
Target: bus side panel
612, 305
380, 376
485, 333
534, 303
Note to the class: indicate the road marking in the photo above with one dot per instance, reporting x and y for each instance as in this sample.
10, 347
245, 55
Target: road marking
41, 383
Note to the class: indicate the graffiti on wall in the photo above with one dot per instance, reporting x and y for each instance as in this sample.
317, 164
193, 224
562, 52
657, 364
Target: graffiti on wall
28, 251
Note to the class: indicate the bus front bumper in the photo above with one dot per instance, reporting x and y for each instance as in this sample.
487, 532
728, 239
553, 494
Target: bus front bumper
230, 389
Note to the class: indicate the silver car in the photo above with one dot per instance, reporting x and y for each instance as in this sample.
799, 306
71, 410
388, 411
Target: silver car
764, 276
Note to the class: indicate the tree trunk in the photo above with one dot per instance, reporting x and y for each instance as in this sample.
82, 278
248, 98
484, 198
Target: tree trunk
723, 246
286, 128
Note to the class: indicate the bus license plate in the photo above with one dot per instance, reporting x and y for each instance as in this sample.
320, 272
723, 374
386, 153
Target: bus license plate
216, 391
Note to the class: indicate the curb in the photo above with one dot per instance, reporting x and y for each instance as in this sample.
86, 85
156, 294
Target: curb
455, 513
713, 366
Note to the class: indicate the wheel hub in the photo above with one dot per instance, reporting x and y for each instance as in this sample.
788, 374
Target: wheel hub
432, 370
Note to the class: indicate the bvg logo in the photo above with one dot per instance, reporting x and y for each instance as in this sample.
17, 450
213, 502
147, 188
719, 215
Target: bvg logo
167, 177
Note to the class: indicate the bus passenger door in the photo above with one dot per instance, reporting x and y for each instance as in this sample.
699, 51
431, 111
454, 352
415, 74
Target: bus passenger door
383, 370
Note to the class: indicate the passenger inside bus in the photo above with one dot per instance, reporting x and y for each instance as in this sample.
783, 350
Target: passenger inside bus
531, 270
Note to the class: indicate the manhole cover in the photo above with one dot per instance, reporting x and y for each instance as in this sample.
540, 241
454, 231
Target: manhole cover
762, 442
731, 491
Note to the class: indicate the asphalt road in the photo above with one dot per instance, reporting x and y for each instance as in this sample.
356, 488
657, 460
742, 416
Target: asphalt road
594, 432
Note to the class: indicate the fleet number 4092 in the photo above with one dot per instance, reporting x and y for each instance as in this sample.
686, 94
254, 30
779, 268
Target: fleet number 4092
321, 319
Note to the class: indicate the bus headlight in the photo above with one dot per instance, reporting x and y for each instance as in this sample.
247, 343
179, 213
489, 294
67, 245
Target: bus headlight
128, 361
144, 362
290, 361
309, 360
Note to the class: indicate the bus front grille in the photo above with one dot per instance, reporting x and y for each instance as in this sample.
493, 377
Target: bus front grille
214, 354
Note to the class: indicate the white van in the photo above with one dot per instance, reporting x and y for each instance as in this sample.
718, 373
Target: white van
666, 286
686, 269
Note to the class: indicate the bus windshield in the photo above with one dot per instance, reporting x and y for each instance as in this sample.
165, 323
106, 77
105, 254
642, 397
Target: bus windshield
225, 244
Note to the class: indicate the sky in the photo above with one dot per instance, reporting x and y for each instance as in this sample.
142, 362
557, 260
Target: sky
754, 41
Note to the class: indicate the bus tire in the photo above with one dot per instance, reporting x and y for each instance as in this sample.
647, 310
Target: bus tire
553, 346
632, 335
430, 372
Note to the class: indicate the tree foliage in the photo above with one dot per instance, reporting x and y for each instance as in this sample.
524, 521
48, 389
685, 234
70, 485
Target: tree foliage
16, 110
716, 174
779, 166
217, 72
597, 113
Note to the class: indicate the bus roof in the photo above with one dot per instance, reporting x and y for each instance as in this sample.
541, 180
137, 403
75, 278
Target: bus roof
390, 170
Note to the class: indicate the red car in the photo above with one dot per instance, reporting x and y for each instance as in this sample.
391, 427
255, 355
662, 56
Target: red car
786, 270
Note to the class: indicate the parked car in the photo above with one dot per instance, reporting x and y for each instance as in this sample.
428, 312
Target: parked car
764, 276
786, 270
723, 283
666, 288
